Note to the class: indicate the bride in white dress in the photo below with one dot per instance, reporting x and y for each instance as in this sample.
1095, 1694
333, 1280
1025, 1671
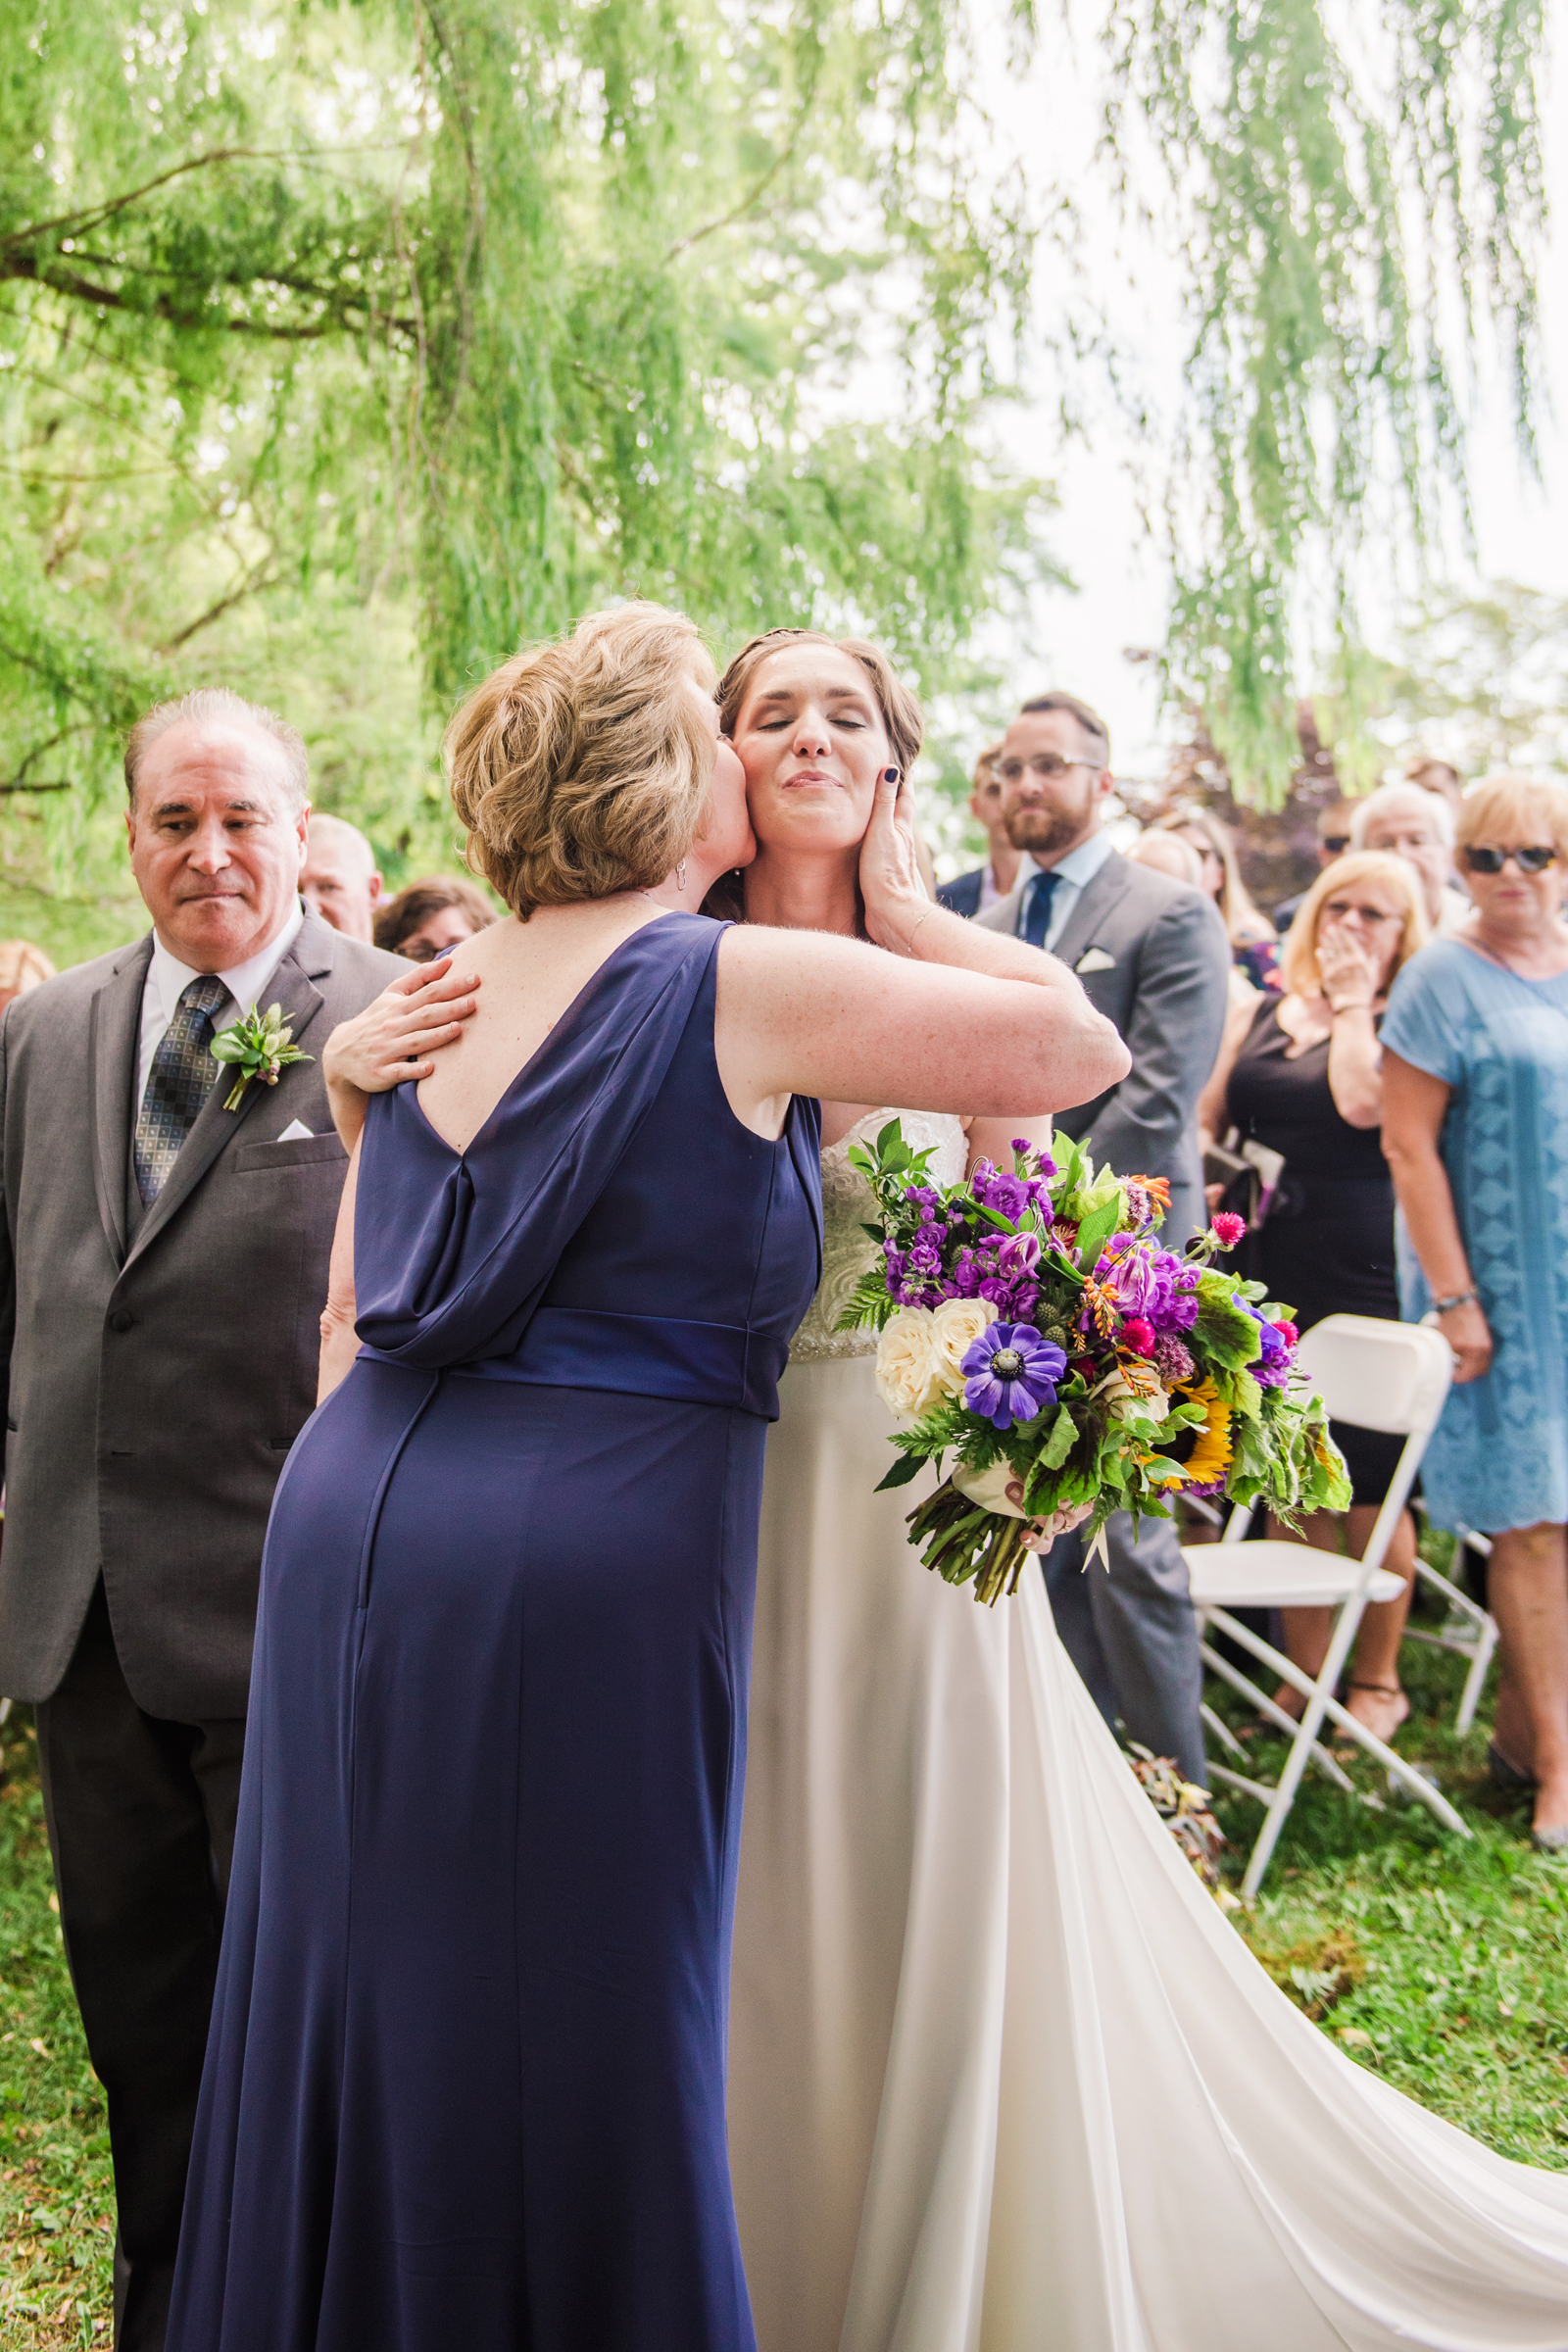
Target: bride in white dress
1002, 2079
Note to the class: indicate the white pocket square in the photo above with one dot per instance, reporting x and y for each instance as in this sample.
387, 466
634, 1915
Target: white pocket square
296, 1133
1096, 961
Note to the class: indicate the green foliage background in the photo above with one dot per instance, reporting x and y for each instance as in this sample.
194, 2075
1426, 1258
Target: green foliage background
343, 346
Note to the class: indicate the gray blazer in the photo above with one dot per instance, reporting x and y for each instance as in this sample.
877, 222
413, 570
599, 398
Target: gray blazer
1153, 957
156, 1383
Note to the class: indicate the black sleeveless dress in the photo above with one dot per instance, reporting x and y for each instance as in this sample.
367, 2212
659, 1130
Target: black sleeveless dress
1327, 1245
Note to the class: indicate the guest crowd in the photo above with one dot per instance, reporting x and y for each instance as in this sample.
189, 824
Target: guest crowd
1376, 1078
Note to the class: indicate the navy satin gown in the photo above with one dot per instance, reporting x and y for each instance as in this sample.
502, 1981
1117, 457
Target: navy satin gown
464, 2088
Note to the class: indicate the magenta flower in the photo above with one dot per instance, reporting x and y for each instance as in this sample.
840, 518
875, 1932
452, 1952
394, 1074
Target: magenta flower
1011, 1372
1138, 1335
1227, 1229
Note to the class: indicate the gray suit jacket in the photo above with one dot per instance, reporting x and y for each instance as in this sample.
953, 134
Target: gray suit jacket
157, 1383
1158, 964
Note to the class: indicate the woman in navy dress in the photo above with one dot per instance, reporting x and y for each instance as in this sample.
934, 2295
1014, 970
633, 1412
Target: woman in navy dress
464, 2087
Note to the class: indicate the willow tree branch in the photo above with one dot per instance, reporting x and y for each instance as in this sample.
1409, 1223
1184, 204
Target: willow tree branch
27, 268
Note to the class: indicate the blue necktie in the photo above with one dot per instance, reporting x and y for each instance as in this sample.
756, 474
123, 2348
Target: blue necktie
1036, 910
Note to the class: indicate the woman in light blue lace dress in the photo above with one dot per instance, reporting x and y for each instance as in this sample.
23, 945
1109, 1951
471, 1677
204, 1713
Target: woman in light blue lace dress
1475, 1126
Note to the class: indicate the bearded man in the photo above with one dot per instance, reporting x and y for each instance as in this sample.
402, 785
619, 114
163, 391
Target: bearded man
1153, 956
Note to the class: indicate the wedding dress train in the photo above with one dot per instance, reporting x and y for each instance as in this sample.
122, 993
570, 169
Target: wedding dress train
1002, 2077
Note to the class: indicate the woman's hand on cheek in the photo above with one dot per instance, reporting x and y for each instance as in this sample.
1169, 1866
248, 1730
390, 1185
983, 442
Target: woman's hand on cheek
890, 877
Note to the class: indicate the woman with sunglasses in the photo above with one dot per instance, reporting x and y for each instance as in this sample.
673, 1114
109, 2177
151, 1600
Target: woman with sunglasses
1474, 1129
1305, 1082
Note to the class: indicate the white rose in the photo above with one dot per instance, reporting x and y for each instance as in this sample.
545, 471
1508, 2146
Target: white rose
907, 1363
956, 1325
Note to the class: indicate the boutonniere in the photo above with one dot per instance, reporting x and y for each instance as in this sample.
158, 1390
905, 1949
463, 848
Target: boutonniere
258, 1047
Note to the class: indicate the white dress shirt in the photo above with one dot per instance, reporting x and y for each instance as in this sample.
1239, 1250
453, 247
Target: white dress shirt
168, 979
1075, 874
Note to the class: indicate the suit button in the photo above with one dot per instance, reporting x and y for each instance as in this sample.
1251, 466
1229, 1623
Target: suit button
120, 1320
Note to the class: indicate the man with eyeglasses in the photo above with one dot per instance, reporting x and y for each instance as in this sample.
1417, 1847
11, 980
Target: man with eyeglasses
1332, 840
1153, 956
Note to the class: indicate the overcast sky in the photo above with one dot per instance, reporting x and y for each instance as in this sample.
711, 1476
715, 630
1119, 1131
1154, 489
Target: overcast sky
1080, 640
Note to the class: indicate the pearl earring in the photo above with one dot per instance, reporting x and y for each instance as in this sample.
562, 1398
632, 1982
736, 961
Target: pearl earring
680, 875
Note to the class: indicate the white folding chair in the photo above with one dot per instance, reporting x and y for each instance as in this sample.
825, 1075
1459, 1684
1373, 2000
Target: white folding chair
1376, 1375
1469, 1630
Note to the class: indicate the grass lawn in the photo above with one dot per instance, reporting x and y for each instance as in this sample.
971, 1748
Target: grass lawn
57, 2198
1440, 1963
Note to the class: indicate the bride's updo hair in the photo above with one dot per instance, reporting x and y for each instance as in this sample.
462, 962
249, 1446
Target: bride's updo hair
581, 766
901, 714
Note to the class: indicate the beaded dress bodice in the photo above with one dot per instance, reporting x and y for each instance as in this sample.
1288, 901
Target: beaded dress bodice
848, 1208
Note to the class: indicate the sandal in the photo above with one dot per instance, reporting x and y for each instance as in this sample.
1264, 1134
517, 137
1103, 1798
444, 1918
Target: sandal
1345, 1745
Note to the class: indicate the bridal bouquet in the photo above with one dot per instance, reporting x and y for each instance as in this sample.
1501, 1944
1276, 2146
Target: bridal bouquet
1034, 1329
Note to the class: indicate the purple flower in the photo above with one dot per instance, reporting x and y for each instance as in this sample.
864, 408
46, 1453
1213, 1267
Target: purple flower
1172, 1361
1019, 1254
1011, 1372
1276, 1351
1007, 1195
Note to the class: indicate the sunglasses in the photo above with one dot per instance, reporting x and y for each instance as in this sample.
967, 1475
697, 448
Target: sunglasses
1336, 844
1492, 861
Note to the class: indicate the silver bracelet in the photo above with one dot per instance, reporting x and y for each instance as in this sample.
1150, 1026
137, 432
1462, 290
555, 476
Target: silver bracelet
1443, 1306
908, 945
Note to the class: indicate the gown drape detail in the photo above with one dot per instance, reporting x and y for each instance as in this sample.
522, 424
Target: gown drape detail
1004, 2077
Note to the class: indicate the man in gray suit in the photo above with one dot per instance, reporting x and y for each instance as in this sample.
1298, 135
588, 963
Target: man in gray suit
163, 1268
1153, 956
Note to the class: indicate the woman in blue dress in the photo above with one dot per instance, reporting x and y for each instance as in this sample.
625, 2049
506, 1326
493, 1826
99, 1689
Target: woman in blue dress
464, 2087
1475, 1127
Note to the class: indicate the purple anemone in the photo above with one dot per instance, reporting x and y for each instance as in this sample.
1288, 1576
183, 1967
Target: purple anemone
1011, 1372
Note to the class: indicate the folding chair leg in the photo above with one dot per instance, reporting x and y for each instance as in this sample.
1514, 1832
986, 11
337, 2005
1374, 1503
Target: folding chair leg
1273, 1713
1475, 1680
1318, 1704
1222, 1732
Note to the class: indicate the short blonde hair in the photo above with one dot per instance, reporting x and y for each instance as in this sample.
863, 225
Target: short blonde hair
23, 966
1299, 968
581, 766
1511, 804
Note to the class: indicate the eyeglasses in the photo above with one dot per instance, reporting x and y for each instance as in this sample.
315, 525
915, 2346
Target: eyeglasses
1343, 909
1336, 844
1045, 765
1492, 861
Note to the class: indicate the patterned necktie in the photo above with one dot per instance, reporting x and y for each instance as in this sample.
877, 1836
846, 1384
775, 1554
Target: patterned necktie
183, 1076
1037, 909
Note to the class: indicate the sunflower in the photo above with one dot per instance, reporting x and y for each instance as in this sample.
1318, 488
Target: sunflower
1211, 1457
1163, 1472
